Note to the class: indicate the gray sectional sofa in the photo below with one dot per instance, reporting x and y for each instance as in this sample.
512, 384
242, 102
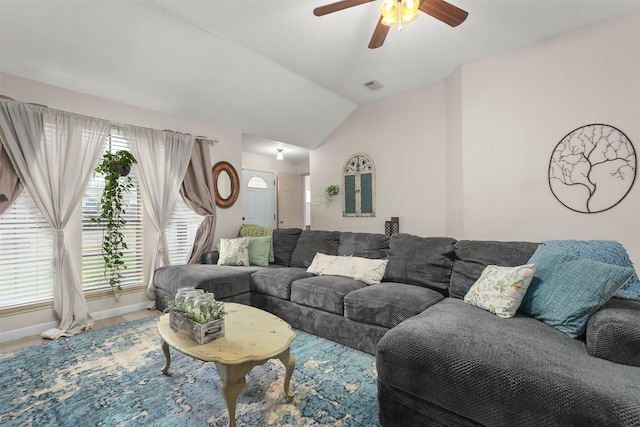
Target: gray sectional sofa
440, 361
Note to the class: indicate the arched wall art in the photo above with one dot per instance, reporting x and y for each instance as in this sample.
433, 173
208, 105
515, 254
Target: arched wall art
592, 168
359, 183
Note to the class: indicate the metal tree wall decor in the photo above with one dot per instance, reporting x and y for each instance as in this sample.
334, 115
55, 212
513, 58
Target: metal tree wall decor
592, 168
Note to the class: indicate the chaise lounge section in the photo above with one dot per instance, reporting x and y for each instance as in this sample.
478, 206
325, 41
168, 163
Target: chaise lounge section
440, 360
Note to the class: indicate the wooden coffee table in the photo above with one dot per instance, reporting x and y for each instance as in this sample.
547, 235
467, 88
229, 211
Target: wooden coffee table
252, 336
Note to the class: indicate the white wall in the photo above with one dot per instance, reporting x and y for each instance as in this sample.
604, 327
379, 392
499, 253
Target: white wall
271, 164
229, 149
517, 106
405, 136
468, 157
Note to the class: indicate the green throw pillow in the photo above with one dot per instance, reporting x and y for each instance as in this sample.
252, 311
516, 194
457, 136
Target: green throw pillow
566, 289
259, 248
254, 230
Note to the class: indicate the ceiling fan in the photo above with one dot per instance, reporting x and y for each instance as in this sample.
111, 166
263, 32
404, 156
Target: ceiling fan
400, 12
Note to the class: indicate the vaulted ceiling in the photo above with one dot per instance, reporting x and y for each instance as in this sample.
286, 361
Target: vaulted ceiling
268, 68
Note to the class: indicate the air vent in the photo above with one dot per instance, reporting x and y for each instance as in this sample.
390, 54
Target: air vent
373, 85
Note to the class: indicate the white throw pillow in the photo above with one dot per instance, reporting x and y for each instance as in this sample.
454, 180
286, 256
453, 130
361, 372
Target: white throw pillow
500, 290
320, 262
369, 271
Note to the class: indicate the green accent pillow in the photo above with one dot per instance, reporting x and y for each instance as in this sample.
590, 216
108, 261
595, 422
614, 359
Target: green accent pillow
566, 289
234, 251
259, 248
254, 230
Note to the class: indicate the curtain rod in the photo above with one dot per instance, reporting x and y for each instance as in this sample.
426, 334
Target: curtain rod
117, 124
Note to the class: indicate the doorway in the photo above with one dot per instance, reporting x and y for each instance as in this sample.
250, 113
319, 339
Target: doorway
290, 200
259, 198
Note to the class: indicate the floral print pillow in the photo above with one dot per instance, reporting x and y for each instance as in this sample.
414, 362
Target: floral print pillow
500, 290
234, 251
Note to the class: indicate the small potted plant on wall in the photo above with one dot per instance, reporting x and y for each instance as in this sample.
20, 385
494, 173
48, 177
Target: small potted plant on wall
330, 192
111, 209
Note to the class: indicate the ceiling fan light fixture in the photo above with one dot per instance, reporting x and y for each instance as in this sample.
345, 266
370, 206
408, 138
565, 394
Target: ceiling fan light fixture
409, 10
399, 12
389, 12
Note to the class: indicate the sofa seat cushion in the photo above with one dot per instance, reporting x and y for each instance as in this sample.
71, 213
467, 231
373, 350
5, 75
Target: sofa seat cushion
422, 261
473, 256
387, 304
324, 292
505, 372
277, 281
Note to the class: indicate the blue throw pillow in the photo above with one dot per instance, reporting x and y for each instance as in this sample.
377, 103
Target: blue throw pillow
566, 289
608, 251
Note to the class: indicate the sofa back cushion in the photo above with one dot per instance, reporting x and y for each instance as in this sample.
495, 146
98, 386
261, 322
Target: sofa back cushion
422, 261
284, 243
311, 242
472, 256
364, 245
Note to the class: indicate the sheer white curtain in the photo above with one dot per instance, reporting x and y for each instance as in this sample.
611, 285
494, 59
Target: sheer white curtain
163, 158
54, 154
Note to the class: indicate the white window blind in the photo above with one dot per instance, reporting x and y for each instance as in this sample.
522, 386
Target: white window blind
181, 232
26, 252
93, 274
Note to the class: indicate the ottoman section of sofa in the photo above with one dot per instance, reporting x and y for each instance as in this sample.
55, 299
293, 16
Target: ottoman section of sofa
276, 282
225, 282
501, 372
388, 303
324, 292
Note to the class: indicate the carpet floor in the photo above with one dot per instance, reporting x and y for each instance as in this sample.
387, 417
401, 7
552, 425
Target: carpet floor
111, 377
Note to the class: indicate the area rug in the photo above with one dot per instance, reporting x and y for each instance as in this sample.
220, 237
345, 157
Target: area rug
111, 377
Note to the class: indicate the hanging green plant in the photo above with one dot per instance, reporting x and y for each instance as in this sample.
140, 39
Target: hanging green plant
111, 210
330, 192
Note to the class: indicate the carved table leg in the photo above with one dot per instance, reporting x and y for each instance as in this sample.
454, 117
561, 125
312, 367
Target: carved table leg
167, 357
231, 384
289, 363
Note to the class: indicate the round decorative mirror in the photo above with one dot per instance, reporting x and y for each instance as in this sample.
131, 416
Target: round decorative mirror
226, 184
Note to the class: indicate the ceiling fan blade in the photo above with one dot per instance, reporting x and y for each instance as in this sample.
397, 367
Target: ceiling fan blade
339, 5
445, 12
379, 34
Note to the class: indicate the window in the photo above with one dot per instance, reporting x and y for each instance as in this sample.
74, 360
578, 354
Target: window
26, 252
93, 274
257, 182
181, 232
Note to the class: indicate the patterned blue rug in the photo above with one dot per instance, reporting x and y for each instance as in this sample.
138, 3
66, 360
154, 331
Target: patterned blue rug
111, 377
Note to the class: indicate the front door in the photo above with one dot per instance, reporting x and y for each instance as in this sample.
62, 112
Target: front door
259, 198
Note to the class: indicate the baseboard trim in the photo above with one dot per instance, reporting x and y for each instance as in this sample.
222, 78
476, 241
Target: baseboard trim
39, 329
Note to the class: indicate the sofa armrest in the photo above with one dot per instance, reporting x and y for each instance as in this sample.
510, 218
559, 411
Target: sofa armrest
613, 332
209, 257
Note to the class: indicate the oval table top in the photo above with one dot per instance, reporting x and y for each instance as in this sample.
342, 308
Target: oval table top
251, 334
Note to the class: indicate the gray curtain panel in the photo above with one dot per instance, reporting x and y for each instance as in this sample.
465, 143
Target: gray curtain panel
10, 185
197, 191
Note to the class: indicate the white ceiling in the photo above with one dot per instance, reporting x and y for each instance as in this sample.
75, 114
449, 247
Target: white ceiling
268, 68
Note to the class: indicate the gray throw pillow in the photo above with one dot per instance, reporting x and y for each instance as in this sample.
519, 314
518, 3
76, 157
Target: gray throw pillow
311, 242
422, 261
365, 245
473, 256
284, 243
